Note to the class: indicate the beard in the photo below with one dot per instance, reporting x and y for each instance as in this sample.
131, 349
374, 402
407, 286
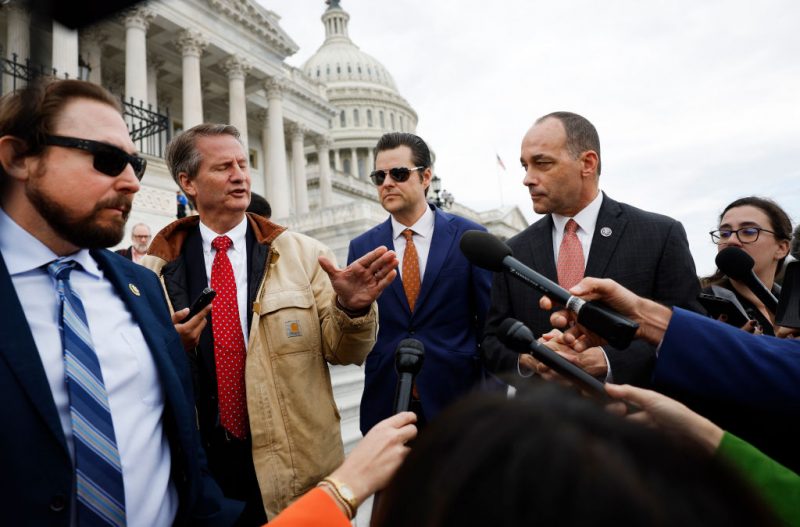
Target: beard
86, 232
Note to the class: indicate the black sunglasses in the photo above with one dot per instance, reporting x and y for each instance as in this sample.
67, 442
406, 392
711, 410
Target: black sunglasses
398, 174
108, 159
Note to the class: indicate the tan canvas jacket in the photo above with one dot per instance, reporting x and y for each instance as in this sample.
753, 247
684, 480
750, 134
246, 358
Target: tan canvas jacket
295, 332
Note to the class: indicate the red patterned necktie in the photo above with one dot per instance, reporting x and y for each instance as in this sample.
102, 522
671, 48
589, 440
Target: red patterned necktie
411, 281
570, 257
229, 349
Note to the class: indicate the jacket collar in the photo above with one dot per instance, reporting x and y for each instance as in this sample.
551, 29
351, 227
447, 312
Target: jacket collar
168, 243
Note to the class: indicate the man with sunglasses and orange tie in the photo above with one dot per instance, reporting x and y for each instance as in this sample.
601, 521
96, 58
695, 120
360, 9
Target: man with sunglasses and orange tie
440, 299
99, 423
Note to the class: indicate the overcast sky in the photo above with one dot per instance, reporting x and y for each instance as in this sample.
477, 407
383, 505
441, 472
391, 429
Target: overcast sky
696, 103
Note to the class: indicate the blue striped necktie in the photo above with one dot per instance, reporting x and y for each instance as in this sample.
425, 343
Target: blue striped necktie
98, 472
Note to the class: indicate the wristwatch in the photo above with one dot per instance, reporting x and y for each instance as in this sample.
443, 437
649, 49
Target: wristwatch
344, 493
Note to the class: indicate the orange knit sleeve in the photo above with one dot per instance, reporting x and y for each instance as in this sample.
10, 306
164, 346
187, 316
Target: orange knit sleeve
314, 509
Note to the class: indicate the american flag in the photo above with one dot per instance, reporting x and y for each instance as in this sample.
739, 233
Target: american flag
500, 162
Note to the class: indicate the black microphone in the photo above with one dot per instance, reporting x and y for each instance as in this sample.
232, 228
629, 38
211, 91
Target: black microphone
408, 358
738, 265
515, 335
489, 252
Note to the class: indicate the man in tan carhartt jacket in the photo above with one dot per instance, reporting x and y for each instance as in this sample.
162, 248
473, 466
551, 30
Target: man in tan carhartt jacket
302, 312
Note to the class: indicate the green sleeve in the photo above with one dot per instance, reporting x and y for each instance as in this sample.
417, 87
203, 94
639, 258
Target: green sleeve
779, 486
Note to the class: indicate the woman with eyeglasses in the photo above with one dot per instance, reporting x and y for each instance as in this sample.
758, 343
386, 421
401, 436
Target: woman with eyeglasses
761, 228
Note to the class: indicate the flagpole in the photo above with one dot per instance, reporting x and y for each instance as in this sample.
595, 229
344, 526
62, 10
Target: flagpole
500, 168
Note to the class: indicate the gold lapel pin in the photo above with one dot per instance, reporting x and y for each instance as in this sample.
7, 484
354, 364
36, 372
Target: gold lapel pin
134, 290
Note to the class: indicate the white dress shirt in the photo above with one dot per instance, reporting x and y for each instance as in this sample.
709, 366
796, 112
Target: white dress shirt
423, 235
129, 373
237, 254
586, 220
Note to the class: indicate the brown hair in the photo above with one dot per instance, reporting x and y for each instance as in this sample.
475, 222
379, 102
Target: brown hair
29, 113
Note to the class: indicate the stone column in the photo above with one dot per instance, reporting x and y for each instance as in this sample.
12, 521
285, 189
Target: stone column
18, 31
192, 44
237, 68
137, 21
370, 161
154, 64
263, 117
91, 42
337, 160
323, 144
65, 51
354, 163
297, 133
277, 179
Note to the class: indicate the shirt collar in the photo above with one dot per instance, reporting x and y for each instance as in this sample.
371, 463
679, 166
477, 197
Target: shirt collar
27, 253
237, 236
586, 218
423, 227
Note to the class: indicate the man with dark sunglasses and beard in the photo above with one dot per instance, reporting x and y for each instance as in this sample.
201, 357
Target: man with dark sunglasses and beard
440, 299
98, 413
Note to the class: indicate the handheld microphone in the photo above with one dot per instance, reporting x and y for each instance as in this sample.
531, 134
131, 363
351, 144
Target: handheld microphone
408, 358
489, 252
518, 337
738, 265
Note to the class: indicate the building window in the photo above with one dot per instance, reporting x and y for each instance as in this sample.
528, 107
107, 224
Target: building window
391, 119
369, 118
342, 120
328, 69
359, 69
356, 120
349, 69
253, 158
402, 128
382, 120
338, 69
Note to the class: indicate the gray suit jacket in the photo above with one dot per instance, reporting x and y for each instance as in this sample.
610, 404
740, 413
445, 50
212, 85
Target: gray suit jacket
646, 252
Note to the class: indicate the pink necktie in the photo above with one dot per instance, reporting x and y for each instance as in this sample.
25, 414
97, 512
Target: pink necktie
229, 348
570, 257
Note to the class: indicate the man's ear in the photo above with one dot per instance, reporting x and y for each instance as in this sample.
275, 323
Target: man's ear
427, 175
12, 159
187, 185
589, 161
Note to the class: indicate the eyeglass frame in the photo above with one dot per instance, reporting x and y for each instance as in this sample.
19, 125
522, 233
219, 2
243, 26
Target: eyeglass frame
384, 173
720, 241
97, 147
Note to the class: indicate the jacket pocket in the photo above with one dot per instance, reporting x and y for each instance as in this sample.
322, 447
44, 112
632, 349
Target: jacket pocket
291, 321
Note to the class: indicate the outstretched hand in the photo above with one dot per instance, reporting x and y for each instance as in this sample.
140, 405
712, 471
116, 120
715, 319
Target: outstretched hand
190, 330
360, 283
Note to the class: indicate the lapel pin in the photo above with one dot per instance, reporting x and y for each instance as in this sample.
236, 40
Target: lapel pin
134, 290
605, 232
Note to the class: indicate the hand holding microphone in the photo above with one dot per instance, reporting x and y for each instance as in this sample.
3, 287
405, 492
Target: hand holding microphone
488, 252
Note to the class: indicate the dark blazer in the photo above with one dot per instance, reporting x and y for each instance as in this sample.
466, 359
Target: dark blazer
37, 474
126, 252
702, 356
185, 278
647, 253
746, 384
450, 312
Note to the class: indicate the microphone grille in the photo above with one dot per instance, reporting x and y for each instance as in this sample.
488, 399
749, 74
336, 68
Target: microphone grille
735, 263
484, 250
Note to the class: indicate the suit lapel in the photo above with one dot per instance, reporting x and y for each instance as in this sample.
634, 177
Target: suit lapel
607, 233
441, 244
540, 248
18, 349
383, 236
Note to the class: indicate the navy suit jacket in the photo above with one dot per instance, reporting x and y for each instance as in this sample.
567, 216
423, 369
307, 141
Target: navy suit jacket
448, 319
703, 357
647, 253
36, 473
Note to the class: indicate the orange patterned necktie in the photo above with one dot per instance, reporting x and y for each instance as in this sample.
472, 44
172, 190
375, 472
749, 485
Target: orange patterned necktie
570, 257
411, 281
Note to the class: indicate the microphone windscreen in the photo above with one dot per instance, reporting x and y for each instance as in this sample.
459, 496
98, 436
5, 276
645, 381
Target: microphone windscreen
514, 334
735, 263
408, 356
410, 346
484, 250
